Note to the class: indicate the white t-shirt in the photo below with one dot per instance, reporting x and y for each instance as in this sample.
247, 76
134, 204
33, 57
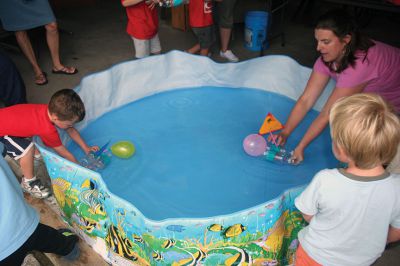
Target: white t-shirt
351, 216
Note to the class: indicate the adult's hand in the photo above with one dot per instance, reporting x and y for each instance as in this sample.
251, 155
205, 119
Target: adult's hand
298, 155
278, 139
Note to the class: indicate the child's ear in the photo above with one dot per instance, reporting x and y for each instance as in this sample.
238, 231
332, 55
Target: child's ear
53, 117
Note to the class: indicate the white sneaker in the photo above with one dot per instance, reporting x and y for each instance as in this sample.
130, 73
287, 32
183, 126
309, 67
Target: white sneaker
35, 188
229, 56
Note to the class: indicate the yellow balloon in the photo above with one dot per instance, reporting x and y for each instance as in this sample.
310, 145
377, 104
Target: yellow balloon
123, 149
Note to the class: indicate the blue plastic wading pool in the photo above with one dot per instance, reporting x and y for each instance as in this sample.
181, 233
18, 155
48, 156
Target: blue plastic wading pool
190, 194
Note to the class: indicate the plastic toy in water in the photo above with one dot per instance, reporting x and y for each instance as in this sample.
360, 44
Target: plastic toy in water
97, 160
123, 149
254, 145
270, 124
275, 153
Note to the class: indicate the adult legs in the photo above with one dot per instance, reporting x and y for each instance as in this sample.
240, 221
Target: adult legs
53, 41
26, 46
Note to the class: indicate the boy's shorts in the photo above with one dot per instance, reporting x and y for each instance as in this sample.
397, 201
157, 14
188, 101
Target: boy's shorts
303, 259
144, 48
225, 13
205, 36
16, 147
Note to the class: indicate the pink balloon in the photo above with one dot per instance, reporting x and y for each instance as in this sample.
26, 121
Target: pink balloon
254, 145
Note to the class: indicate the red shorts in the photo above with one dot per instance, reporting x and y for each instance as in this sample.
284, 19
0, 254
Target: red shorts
302, 258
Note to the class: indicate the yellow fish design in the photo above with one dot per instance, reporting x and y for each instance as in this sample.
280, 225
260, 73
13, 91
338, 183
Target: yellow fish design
234, 230
215, 228
168, 243
157, 256
60, 186
120, 245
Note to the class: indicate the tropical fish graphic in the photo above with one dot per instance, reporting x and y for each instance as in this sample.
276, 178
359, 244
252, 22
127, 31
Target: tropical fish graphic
137, 238
157, 256
168, 243
85, 224
194, 259
93, 198
234, 230
60, 186
120, 245
176, 228
237, 259
215, 228
241, 258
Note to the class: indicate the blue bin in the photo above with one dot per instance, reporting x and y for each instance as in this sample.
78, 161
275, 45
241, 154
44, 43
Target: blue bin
255, 31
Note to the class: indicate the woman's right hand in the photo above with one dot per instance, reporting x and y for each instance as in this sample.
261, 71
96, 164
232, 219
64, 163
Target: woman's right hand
278, 139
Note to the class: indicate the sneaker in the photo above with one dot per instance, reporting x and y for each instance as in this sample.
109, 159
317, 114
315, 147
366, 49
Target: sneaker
228, 55
72, 241
35, 188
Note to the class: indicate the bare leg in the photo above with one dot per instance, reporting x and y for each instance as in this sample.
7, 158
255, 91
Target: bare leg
53, 41
204, 52
195, 49
225, 35
25, 44
26, 163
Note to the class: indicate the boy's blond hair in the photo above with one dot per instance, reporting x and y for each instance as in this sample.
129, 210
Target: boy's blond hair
366, 128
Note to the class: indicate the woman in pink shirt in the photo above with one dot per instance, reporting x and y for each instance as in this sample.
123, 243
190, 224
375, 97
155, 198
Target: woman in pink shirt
356, 63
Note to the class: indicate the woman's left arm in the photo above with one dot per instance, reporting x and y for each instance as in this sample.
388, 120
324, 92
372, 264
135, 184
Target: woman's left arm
322, 119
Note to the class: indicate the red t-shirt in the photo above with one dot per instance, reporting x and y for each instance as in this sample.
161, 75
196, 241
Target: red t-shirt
142, 21
28, 120
200, 13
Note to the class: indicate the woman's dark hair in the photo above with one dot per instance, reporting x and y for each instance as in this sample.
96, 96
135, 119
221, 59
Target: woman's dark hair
342, 24
67, 105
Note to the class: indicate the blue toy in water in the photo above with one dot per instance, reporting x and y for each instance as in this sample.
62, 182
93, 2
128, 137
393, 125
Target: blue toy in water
97, 160
172, 3
278, 154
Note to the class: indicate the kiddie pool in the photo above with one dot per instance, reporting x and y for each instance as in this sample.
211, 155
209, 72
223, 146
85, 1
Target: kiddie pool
263, 232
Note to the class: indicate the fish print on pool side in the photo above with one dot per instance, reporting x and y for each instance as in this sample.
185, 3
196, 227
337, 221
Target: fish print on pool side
263, 235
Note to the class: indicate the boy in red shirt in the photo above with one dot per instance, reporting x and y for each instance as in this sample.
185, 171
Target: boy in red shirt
201, 21
22, 121
143, 26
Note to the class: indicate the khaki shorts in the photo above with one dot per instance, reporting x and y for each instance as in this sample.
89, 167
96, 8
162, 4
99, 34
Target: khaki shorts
144, 48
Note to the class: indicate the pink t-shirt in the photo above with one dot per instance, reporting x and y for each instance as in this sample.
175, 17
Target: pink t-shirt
381, 71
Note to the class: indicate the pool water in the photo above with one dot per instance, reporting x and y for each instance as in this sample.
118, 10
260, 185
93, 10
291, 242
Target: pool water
189, 160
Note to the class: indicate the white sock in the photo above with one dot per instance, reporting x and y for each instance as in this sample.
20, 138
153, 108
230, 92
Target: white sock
28, 180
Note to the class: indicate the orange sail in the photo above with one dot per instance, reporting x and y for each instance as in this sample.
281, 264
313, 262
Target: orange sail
270, 124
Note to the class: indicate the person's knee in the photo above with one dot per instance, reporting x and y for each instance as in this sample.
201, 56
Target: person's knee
51, 27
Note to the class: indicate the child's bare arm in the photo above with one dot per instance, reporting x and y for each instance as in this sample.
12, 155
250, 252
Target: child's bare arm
63, 152
393, 235
126, 3
75, 136
307, 217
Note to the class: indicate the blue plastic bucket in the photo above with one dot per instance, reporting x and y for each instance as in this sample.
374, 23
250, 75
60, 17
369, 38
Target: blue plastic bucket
255, 31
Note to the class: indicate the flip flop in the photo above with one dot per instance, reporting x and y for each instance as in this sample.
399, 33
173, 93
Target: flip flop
41, 79
65, 71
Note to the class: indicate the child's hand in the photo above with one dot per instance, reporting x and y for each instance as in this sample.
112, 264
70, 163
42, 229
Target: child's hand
88, 149
152, 3
94, 148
